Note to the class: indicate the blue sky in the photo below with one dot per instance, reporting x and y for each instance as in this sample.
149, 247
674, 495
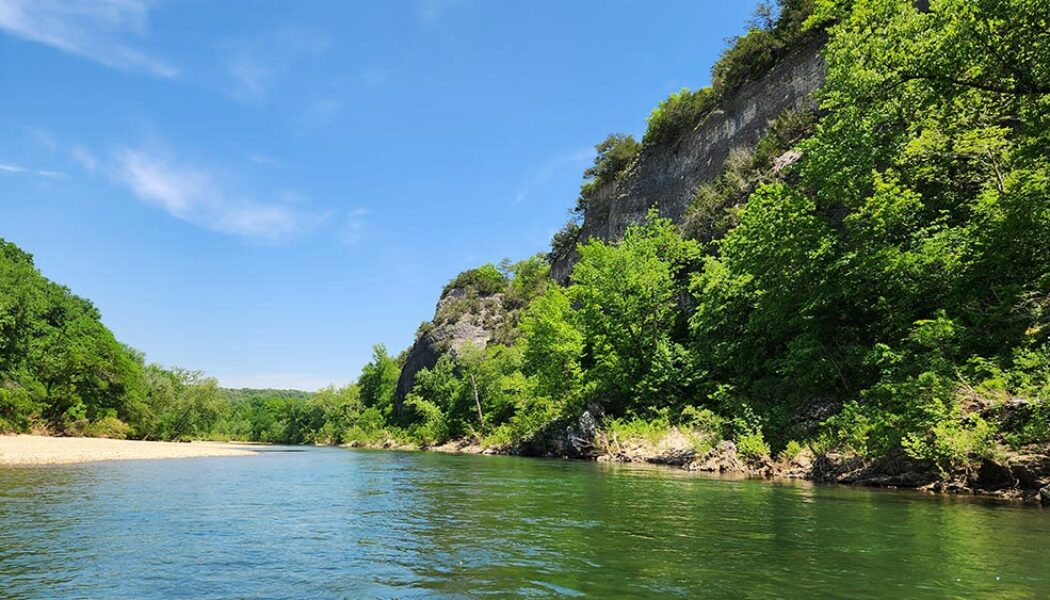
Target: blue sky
263, 190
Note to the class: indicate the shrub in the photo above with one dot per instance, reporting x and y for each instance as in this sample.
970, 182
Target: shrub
677, 114
766, 42
638, 429
17, 407
752, 445
703, 419
529, 419
565, 239
952, 443
424, 328
614, 155
485, 280
429, 426
106, 427
791, 450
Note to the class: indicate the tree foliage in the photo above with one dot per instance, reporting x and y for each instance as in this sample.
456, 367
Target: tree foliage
891, 295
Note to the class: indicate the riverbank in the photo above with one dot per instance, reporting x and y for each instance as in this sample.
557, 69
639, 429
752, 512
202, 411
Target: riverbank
1020, 476
45, 450
1016, 476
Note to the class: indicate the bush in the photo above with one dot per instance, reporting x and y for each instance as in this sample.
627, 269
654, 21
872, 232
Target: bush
424, 328
703, 419
648, 430
752, 445
790, 451
952, 443
614, 155
106, 427
17, 407
768, 39
565, 239
528, 420
676, 115
485, 280
430, 425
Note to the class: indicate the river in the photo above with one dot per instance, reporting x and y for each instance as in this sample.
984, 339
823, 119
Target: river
335, 523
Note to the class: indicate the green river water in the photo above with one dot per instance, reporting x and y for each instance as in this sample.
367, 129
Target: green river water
334, 523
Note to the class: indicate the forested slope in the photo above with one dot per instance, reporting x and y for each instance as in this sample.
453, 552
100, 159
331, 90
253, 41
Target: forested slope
872, 279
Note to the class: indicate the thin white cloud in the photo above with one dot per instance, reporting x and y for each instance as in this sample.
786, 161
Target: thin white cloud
43, 138
9, 168
93, 30
84, 158
195, 195
255, 64
355, 228
266, 161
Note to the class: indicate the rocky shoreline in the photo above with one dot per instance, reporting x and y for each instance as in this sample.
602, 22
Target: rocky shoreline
1022, 476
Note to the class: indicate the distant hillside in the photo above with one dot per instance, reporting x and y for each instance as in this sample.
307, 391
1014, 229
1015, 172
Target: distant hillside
242, 394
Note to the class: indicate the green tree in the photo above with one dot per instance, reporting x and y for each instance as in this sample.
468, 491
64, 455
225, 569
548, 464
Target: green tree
378, 380
627, 299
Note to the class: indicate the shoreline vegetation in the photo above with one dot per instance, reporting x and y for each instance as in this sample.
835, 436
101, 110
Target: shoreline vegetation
677, 448
23, 449
863, 297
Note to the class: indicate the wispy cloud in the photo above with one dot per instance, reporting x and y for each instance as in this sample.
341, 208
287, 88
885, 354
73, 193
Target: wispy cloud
84, 157
265, 161
196, 195
19, 170
255, 64
42, 138
355, 228
93, 30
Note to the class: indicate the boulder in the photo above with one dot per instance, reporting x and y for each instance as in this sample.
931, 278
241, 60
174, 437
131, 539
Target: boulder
723, 458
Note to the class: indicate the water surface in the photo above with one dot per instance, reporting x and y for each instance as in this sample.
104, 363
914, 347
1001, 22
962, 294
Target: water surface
333, 523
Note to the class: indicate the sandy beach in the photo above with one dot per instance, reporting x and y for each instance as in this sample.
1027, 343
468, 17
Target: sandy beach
43, 450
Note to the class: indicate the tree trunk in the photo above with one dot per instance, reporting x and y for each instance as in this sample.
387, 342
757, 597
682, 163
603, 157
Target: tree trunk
477, 401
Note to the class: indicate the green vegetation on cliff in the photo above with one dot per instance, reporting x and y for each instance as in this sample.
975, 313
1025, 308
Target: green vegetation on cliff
888, 292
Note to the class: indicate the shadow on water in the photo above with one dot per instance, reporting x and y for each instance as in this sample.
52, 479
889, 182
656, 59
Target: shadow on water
323, 522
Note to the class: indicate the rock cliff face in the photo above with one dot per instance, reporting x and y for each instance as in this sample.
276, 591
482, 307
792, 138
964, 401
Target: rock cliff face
462, 317
667, 176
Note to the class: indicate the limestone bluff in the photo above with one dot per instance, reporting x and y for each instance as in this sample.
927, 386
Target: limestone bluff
665, 176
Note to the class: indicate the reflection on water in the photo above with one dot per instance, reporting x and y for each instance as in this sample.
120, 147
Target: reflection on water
340, 523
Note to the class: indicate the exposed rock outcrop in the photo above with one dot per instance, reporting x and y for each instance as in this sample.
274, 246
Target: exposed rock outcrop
463, 317
566, 439
666, 176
